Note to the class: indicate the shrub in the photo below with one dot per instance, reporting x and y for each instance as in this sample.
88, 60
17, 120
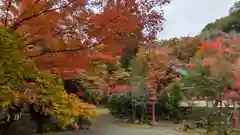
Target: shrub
127, 106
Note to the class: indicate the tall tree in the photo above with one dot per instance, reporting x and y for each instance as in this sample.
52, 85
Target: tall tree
65, 29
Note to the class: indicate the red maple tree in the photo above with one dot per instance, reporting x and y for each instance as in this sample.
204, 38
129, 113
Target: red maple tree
63, 30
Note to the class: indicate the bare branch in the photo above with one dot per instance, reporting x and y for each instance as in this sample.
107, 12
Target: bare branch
77, 49
17, 24
8, 7
64, 50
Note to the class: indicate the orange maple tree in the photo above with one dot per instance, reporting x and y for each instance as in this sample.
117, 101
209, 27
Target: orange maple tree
60, 31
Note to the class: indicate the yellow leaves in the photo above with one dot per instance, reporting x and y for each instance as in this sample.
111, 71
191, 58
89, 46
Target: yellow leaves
8, 96
96, 78
63, 106
46, 92
5, 96
92, 78
67, 107
118, 75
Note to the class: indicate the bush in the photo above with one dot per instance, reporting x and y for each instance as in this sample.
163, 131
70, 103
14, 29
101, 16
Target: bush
117, 104
127, 106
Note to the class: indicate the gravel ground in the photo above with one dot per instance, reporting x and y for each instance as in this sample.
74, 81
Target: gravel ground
107, 125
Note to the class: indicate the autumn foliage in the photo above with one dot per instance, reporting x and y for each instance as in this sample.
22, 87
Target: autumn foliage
82, 39
62, 30
183, 48
44, 90
221, 55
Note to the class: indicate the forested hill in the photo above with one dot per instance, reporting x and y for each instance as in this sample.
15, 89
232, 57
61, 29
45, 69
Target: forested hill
230, 23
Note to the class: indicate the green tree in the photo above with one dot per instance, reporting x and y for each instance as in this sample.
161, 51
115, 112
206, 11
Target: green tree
139, 70
229, 23
235, 8
226, 24
129, 53
200, 82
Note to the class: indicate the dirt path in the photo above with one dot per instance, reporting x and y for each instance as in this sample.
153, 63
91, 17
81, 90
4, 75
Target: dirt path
108, 125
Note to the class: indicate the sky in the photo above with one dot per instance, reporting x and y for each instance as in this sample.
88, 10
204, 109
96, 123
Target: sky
188, 17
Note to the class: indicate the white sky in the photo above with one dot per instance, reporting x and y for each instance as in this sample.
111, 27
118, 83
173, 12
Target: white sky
184, 17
